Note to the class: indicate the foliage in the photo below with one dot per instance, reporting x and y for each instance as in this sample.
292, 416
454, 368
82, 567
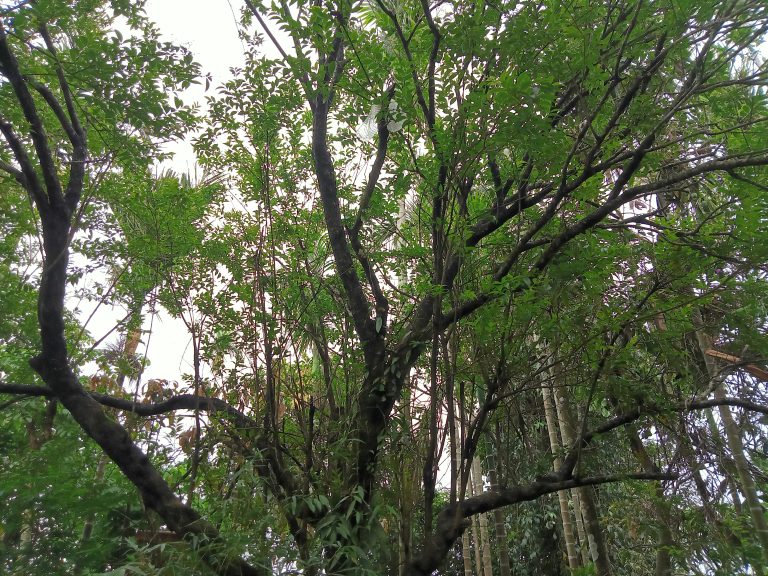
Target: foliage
521, 236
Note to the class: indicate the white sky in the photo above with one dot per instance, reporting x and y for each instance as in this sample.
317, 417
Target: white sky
210, 30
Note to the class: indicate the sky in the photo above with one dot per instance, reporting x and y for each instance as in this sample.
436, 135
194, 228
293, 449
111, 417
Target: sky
209, 29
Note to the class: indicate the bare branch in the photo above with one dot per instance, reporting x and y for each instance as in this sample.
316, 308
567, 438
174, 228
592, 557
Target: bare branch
37, 131
178, 402
31, 182
54, 104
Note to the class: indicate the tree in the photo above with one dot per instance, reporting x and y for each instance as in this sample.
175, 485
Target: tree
444, 210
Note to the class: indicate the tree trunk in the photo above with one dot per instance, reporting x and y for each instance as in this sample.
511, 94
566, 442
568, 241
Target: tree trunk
501, 529
733, 438
661, 506
408, 485
582, 534
594, 531
475, 527
466, 542
466, 553
562, 495
485, 544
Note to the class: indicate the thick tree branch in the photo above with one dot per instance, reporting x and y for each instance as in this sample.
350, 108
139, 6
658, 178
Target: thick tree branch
31, 182
76, 135
757, 158
342, 253
178, 402
453, 519
11, 71
271, 470
365, 326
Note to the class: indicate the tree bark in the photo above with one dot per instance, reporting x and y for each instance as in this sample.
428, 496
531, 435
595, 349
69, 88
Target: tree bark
733, 438
594, 531
501, 529
485, 544
562, 497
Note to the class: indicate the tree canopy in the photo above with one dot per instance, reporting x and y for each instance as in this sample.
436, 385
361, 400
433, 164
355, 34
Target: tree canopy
469, 287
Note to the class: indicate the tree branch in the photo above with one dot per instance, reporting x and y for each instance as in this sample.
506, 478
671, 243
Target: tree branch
30, 182
382, 304
17, 174
453, 519
650, 410
378, 163
328, 188
596, 216
37, 131
77, 136
404, 42
178, 402
432, 62
57, 109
